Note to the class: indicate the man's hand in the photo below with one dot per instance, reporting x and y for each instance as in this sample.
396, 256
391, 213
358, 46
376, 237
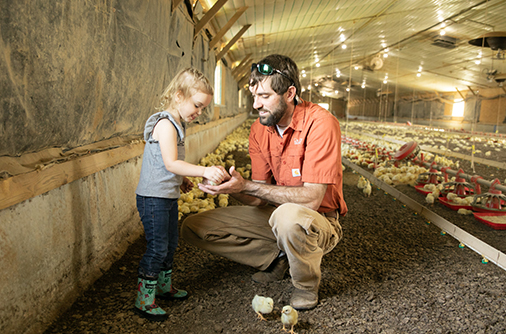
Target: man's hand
232, 186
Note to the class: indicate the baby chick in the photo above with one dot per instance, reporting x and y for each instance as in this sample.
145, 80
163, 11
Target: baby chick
262, 305
289, 316
367, 189
430, 198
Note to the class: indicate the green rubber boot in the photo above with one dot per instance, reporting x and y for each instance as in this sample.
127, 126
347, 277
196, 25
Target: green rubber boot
145, 303
164, 288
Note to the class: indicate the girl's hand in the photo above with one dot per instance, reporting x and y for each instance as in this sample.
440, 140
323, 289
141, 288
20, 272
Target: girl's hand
187, 185
216, 174
234, 185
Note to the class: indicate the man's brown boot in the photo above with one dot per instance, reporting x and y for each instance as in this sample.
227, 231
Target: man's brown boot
275, 272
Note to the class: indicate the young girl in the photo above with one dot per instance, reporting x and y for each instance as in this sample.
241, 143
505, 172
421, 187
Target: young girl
162, 175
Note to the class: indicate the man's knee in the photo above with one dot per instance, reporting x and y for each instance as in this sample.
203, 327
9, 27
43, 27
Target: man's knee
287, 217
187, 228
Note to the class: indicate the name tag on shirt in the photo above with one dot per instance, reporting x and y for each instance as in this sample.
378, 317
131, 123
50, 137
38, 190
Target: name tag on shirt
295, 172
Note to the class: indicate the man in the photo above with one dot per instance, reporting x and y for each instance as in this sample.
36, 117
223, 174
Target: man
295, 197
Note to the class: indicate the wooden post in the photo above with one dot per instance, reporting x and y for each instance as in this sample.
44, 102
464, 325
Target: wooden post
243, 62
209, 15
232, 41
175, 4
227, 27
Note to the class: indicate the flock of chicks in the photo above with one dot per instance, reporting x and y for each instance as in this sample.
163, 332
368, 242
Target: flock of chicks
435, 138
196, 200
265, 305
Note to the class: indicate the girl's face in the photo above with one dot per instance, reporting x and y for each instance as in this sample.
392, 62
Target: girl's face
191, 108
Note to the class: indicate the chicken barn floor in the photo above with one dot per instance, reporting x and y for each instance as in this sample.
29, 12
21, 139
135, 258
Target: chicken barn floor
391, 273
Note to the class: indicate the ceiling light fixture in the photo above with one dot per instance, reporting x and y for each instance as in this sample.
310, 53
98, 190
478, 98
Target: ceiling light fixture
419, 74
343, 46
442, 32
317, 64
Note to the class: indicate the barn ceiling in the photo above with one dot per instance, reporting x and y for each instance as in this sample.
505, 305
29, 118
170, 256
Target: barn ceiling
390, 45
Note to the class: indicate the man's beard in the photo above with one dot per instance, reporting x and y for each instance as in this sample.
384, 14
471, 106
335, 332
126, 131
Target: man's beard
275, 115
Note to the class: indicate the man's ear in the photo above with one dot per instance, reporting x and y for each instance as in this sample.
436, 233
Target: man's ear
291, 92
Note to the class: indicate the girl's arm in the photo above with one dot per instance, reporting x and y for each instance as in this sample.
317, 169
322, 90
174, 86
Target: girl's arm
166, 134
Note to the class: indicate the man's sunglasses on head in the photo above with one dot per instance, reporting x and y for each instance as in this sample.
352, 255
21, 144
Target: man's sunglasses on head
266, 69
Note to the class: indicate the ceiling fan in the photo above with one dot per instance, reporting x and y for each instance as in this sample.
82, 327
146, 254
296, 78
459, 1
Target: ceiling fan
497, 42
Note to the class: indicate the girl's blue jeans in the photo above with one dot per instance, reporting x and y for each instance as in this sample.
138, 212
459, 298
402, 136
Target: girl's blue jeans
160, 218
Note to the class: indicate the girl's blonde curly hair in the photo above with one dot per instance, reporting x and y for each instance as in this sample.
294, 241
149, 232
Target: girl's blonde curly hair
187, 82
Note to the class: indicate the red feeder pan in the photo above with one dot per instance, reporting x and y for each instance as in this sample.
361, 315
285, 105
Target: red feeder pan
407, 151
493, 219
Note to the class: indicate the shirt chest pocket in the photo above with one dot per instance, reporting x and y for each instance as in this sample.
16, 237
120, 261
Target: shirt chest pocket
295, 157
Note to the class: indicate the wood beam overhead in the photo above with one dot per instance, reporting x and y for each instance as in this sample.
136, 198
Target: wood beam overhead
232, 41
244, 70
209, 15
175, 4
243, 61
243, 80
227, 27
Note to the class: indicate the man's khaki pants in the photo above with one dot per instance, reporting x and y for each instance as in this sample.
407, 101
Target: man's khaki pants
255, 235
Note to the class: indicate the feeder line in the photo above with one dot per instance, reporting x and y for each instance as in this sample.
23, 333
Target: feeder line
475, 244
456, 155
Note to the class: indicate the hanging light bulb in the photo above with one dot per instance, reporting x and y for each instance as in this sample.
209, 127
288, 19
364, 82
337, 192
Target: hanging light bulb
385, 55
316, 84
309, 87
442, 32
347, 89
336, 92
303, 90
343, 46
419, 74
477, 62
356, 67
317, 64
303, 75
385, 81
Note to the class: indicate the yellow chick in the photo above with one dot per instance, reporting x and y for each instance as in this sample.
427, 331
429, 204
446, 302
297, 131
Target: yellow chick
430, 198
262, 305
362, 181
367, 189
289, 316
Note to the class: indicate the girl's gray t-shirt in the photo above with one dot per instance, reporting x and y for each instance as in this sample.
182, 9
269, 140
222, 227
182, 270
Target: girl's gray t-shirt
155, 179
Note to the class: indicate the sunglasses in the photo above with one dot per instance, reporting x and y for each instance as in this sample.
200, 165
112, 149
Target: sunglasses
266, 69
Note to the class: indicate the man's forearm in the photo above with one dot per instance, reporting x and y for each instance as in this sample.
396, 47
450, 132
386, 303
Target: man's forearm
309, 195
